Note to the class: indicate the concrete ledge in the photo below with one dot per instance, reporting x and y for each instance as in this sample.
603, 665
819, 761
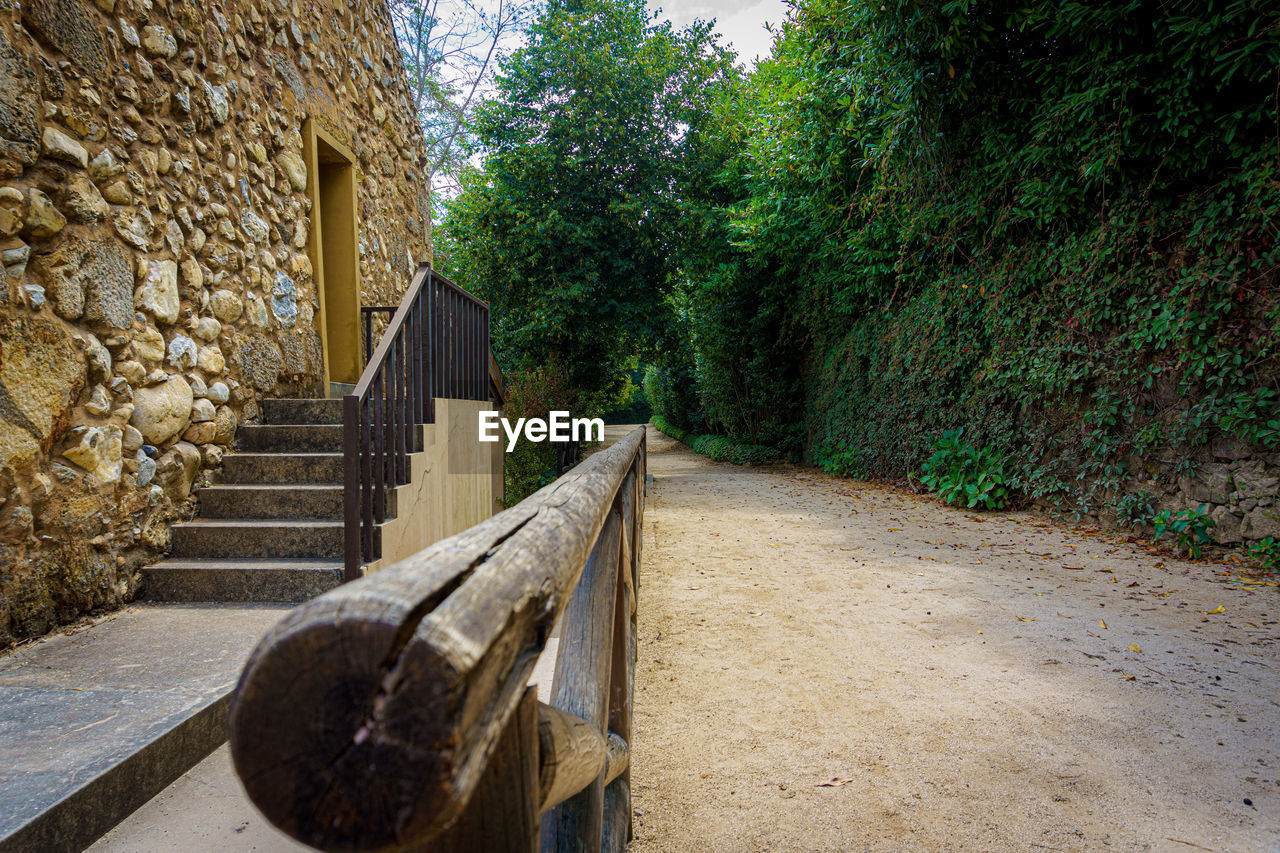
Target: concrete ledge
93, 724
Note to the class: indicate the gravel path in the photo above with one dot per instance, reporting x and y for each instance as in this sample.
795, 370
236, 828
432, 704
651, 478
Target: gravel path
828, 665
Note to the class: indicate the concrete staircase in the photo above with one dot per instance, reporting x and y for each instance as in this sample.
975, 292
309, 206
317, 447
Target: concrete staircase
271, 528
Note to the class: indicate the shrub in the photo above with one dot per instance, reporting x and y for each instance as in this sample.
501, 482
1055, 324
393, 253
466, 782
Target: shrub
533, 394
1190, 526
667, 428
1135, 509
718, 447
1267, 552
959, 471
840, 461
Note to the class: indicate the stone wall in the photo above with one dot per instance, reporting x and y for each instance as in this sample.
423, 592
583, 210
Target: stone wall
154, 227
1238, 486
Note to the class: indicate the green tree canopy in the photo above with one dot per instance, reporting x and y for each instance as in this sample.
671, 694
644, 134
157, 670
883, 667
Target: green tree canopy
571, 226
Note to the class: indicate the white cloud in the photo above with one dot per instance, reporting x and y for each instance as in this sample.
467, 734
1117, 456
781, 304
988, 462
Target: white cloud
740, 25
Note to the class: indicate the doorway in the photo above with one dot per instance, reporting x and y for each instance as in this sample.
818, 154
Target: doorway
331, 183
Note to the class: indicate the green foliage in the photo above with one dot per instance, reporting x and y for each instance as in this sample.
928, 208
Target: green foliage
670, 429
632, 405
672, 394
533, 394
1255, 417
568, 228
958, 471
1189, 526
840, 461
718, 447
1267, 552
1135, 509
1057, 225
724, 449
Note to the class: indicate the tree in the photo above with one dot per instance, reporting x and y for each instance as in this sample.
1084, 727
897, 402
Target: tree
570, 227
451, 49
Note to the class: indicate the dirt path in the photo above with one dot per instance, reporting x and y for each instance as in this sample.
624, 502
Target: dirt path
796, 629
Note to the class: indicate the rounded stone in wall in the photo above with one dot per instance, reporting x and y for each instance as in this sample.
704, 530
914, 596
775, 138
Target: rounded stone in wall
162, 411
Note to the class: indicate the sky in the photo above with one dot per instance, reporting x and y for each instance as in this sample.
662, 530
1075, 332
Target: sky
741, 22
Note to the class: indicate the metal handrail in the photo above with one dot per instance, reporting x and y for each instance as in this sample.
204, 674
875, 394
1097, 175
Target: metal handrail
435, 345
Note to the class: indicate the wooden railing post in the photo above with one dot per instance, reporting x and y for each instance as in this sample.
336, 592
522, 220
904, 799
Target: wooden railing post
617, 806
502, 814
581, 685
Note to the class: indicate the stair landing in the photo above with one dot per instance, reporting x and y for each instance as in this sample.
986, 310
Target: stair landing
95, 722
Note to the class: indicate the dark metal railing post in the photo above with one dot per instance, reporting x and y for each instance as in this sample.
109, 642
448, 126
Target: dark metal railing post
351, 486
451, 355
367, 316
402, 408
366, 485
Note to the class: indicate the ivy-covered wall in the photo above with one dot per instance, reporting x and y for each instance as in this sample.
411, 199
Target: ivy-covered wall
1055, 227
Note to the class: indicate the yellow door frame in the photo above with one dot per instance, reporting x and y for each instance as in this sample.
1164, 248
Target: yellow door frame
338, 282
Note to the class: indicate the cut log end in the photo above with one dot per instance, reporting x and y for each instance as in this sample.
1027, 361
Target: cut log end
342, 740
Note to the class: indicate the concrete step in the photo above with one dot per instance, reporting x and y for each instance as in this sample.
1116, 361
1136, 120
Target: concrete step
288, 500
257, 538
281, 468
290, 438
304, 411
282, 580
95, 722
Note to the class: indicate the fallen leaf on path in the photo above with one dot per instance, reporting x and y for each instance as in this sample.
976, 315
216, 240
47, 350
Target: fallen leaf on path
1128, 677
1091, 634
1135, 648
1065, 616
1218, 609
1025, 618
1074, 568
833, 782
1250, 625
1102, 623
693, 587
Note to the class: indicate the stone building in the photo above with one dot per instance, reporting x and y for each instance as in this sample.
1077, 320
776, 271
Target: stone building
195, 199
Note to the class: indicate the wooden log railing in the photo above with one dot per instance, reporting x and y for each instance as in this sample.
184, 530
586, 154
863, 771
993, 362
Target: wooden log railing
393, 712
